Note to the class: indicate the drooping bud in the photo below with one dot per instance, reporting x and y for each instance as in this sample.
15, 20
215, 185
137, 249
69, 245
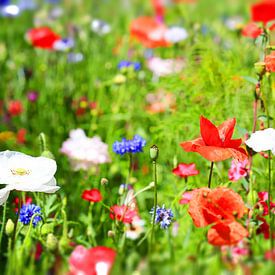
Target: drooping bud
9, 227
111, 234
104, 181
154, 152
51, 242
260, 68
46, 228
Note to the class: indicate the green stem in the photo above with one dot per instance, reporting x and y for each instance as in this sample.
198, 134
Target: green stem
269, 199
16, 222
155, 203
90, 229
210, 174
3, 223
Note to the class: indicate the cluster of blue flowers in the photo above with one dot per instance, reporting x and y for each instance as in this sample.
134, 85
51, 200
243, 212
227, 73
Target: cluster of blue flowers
126, 64
26, 213
134, 145
163, 216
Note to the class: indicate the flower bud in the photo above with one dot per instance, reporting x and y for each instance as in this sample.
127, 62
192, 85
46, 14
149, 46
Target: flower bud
51, 242
260, 68
154, 152
9, 227
47, 154
46, 228
111, 234
104, 181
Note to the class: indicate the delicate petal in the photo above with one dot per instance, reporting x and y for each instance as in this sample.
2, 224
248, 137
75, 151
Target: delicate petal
209, 133
226, 233
4, 194
191, 146
262, 140
226, 129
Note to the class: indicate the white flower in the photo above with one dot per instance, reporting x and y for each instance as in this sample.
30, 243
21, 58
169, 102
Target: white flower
262, 140
136, 228
85, 152
100, 27
175, 34
26, 173
163, 67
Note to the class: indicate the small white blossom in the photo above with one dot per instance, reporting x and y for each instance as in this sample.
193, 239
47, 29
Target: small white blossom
175, 34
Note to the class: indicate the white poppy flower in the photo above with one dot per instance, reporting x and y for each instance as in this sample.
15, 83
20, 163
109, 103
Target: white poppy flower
26, 173
175, 34
262, 140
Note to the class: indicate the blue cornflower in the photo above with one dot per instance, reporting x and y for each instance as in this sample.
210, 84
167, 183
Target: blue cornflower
124, 146
163, 216
126, 64
26, 213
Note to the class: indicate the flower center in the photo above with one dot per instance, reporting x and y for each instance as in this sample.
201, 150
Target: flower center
20, 172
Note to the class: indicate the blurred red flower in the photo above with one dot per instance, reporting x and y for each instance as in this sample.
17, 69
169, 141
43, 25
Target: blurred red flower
42, 37
251, 30
159, 8
215, 143
218, 207
16, 200
263, 11
92, 195
122, 213
93, 261
15, 108
149, 32
270, 61
185, 170
21, 135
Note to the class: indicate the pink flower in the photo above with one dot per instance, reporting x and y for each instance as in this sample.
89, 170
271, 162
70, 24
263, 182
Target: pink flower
187, 197
94, 261
185, 170
84, 152
122, 213
270, 255
238, 170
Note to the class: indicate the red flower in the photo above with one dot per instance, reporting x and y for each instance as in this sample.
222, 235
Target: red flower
159, 8
218, 207
186, 170
42, 37
270, 62
122, 213
38, 251
15, 108
270, 255
215, 143
149, 32
251, 30
21, 135
263, 11
16, 203
92, 195
93, 261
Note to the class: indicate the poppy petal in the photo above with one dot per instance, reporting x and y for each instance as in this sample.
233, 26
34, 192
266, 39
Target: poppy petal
191, 145
226, 233
209, 132
226, 129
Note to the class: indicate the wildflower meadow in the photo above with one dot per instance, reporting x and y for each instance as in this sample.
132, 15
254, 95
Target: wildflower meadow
137, 137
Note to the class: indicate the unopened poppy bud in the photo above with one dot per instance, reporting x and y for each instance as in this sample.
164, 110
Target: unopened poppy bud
51, 242
154, 152
63, 245
104, 181
260, 68
9, 227
47, 154
46, 228
111, 234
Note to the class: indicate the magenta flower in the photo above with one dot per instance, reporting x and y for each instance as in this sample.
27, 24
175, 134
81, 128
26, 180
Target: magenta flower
185, 170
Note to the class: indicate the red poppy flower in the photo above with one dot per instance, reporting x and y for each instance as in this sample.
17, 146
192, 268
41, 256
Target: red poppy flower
263, 11
270, 62
218, 207
92, 195
42, 37
251, 30
21, 136
185, 170
93, 261
15, 108
215, 143
122, 213
149, 32
28, 200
